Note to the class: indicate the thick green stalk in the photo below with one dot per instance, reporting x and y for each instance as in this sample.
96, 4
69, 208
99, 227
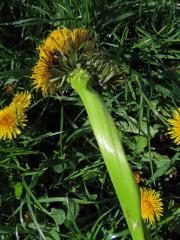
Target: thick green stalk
112, 151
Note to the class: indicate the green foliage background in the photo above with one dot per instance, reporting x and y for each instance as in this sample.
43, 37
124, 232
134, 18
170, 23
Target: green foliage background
53, 182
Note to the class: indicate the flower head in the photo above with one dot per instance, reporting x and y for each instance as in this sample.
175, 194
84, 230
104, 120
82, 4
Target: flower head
42, 73
174, 129
47, 71
13, 118
151, 205
9, 126
21, 101
57, 41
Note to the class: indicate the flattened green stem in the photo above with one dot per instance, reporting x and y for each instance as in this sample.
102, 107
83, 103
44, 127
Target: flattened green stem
112, 151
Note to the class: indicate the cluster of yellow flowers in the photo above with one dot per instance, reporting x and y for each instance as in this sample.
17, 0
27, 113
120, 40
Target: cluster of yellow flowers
59, 42
13, 117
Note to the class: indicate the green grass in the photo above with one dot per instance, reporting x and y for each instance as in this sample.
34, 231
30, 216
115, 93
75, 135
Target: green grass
53, 182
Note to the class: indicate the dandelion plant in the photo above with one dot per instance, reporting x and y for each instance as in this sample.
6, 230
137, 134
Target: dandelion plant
13, 117
151, 205
71, 57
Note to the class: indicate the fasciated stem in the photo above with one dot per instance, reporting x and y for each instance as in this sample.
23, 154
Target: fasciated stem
112, 151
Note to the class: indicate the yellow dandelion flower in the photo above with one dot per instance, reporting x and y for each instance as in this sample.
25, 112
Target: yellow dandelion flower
21, 101
42, 75
137, 176
174, 129
12, 117
59, 41
151, 205
62, 40
9, 123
